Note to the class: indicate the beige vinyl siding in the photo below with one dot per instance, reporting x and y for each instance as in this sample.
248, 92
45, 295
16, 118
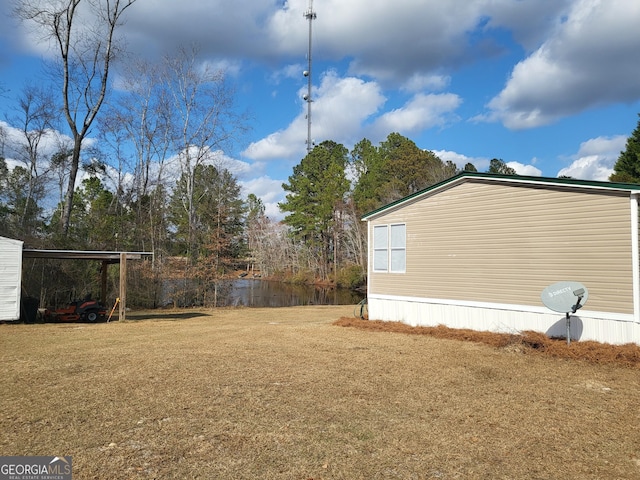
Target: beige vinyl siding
492, 242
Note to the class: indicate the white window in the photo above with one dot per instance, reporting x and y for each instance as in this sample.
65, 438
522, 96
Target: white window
380, 248
390, 248
398, 251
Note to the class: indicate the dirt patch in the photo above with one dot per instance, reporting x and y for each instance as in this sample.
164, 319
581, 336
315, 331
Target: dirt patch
285, 394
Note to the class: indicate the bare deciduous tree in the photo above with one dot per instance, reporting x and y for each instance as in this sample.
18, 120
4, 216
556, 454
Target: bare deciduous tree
82, 32
36, 118
136, 132
201, 116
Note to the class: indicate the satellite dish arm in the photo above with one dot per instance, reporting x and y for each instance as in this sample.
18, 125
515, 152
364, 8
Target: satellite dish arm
580, 294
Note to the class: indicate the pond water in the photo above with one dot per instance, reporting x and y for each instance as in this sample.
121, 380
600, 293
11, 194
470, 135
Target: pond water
262, 293
250, 292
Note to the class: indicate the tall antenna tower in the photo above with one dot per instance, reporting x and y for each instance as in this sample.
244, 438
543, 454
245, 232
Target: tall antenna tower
310, 15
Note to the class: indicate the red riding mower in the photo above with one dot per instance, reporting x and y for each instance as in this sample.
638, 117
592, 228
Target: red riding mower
85, 310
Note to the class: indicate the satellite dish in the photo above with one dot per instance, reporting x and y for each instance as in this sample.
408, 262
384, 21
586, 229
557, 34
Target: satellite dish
563, 296
567, 298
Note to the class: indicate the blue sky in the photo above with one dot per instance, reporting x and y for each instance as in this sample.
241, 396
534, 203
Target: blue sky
552, 87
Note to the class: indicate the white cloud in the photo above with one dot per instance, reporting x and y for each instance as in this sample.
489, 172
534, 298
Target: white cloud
482, 163
419, 113
239, 168
220, 27
589, 167
522, 169
590, 59
230, 67
343, 111
461, 160
342, 106
419, 82
431, 34
595, 158
52, 142
339, 108
410, 43
603, 146
530, 21
283, 144
269, 191
388, 41
288, 71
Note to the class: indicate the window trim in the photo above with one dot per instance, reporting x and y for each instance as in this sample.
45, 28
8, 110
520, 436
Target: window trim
388, 252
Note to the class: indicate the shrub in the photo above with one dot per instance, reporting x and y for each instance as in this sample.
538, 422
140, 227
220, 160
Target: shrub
303, 277
350, 277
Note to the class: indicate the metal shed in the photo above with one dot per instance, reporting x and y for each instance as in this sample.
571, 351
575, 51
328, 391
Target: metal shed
10, 278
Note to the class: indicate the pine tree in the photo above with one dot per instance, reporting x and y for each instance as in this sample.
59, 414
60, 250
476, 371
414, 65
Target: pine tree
627, 168
498, 166
317, 192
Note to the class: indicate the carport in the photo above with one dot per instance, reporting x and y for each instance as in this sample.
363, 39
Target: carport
107, 258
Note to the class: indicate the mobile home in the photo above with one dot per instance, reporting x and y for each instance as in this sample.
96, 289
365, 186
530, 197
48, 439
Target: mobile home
477, 250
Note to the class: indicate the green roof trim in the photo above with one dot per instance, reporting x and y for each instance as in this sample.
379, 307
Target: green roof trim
570, 182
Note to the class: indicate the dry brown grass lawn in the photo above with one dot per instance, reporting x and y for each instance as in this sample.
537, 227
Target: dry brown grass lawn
287, 394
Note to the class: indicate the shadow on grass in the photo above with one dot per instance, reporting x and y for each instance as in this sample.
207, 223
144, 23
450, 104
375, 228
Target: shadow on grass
174, 316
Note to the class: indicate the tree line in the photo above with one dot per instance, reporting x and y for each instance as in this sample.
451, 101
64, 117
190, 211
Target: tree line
191, 214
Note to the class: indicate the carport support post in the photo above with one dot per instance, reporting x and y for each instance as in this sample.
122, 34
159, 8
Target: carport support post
123, 287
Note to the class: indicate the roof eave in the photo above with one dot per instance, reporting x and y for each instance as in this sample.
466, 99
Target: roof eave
464, 176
